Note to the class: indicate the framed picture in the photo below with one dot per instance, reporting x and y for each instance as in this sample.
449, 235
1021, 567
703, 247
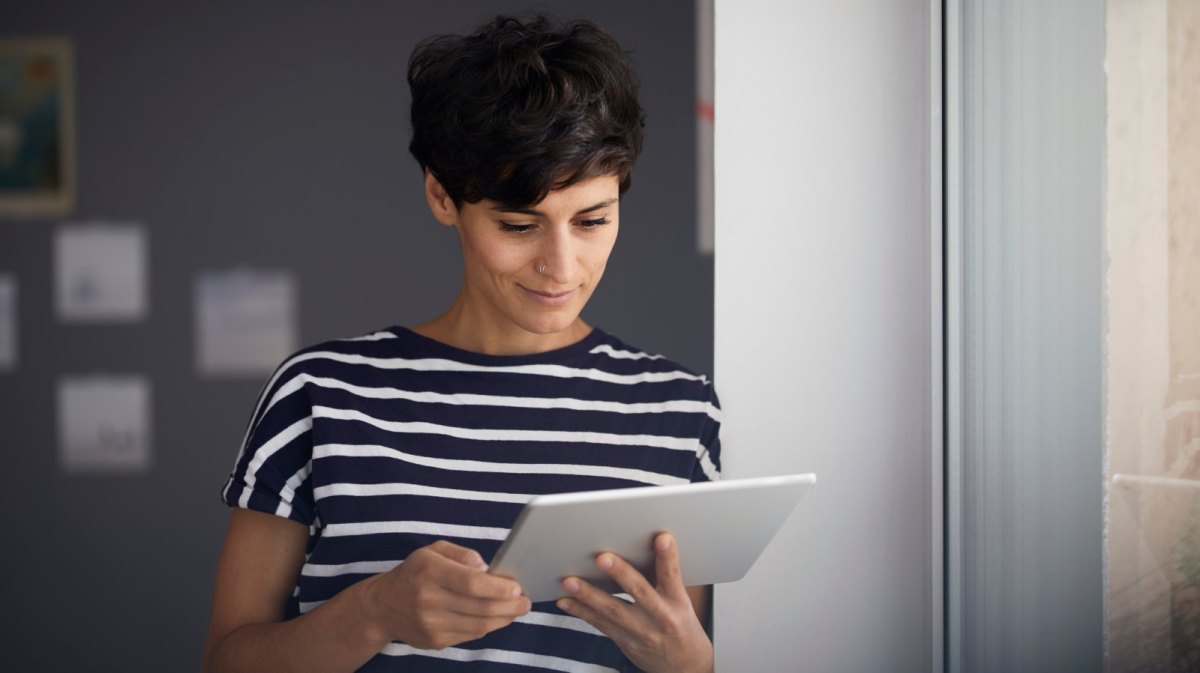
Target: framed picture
37, 128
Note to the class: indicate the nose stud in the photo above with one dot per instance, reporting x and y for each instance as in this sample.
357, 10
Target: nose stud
541, 268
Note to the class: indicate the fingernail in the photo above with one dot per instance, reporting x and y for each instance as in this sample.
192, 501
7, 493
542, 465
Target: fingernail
605, 562
664, 542
564, 605
516, 591
571, 584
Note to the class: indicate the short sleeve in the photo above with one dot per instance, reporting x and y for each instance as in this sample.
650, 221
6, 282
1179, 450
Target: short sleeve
708, 460
274, 468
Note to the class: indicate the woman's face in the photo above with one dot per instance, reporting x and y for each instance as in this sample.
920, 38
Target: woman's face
535, 268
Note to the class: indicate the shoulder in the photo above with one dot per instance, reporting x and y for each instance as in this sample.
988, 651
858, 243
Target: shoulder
610, 347
610, 353
334, 358
384, 343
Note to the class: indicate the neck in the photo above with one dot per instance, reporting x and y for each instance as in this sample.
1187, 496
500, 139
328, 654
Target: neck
462, 327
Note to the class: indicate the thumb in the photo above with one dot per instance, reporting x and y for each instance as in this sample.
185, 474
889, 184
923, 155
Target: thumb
459, 554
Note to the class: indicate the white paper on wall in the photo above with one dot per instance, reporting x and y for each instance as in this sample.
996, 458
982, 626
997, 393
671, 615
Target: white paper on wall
100, 273
8, 323
104, 424
245, 322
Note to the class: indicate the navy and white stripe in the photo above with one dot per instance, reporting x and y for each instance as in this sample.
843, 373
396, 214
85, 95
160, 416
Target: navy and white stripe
386, 443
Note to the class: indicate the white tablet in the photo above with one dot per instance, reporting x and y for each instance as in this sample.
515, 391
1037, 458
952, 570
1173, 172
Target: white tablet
721, 528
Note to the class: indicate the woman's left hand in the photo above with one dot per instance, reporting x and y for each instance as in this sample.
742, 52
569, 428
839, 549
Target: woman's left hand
659, 631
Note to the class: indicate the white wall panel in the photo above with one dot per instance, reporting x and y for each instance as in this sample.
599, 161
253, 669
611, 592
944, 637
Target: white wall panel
826, 297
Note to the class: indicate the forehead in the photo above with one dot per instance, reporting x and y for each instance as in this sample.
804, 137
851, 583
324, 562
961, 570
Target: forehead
586, 195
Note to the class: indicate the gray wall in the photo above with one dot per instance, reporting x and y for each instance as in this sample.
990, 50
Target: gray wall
270, 134
825, 326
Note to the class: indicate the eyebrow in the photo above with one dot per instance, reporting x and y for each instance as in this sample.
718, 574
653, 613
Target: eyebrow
537, 213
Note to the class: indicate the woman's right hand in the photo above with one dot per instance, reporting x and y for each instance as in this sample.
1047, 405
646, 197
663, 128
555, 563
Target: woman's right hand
440, 596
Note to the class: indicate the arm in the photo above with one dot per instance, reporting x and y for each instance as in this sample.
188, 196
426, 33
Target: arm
258, 567
439, 597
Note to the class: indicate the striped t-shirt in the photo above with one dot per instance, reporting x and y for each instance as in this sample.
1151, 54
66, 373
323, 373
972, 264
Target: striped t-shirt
389, 442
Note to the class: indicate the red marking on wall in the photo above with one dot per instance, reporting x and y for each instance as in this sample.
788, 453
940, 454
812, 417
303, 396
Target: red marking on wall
704, 109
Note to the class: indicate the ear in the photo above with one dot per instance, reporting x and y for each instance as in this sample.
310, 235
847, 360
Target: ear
440, 203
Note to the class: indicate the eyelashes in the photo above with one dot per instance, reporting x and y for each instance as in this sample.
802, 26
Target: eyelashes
522, 228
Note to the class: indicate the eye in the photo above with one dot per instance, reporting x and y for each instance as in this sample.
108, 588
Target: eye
515, 228
588, 224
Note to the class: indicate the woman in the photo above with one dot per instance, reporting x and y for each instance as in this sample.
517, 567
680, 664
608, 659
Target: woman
379, 474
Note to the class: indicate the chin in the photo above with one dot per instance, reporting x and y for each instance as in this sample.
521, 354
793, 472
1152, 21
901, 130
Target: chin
547, 325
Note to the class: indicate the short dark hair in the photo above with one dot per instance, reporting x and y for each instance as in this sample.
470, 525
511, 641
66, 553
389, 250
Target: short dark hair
517, 109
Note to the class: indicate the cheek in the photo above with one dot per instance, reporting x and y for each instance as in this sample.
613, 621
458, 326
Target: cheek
508, 260
493, 258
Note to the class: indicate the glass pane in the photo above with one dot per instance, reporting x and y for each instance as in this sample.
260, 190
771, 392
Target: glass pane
1153, 377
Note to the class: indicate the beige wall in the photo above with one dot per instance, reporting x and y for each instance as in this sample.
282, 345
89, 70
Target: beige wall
1153, 365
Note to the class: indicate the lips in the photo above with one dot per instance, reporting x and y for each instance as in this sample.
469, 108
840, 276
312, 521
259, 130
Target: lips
550, 298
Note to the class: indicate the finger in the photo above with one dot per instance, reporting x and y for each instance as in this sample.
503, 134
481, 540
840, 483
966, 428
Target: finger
448, 613
478, 584
575, 608
464, 629
493, 623
636, 585
459, 554
668, 575
456, 577
487, 608
612, 609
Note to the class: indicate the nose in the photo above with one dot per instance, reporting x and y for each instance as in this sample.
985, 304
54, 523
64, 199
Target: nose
557, 256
